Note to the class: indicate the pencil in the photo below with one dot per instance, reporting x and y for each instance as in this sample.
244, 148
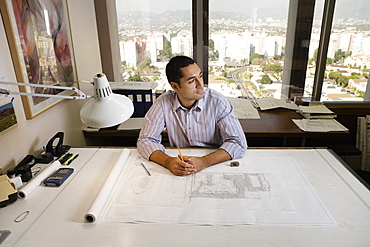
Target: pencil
146, 169
182, 158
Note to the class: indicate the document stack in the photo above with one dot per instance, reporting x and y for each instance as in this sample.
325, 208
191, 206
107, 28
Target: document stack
318, 118
316, 112
272, 103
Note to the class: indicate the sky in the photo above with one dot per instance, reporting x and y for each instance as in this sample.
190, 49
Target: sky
160, 6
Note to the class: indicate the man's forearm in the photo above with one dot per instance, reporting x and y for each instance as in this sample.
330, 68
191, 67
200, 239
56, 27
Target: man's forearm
208, 160
216, 157
192, 164
160, 158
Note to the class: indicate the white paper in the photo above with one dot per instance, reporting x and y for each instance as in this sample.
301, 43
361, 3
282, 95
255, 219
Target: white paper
133, 85
244, 109
322, 109
131, 124
257, 192
319, 125
97, 206
37, 180
272, 103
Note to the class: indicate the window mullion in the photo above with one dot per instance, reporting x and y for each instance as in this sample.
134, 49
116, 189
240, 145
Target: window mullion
326, 26
200, 35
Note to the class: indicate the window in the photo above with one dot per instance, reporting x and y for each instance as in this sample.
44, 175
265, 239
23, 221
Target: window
348, 53
247, 46
267, 48
150, 33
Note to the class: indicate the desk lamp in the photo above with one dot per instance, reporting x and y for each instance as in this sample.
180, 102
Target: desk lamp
104, 109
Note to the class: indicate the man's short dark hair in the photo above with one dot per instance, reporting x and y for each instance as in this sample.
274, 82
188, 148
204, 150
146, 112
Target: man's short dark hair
173, 68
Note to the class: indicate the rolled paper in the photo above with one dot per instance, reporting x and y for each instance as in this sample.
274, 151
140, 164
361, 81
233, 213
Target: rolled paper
101, 198
38, 179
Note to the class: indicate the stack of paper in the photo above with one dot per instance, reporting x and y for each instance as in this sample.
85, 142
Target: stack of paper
131, 124
133, 85
319, 125
272, 103
316, 111
243, 108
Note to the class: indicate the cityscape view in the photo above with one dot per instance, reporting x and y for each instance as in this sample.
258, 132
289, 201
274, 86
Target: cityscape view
245, 48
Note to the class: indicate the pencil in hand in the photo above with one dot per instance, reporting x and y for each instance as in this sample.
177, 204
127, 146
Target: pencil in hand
181, 157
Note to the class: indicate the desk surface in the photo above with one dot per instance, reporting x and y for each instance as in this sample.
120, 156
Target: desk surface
57, 214
276, 122
276, 125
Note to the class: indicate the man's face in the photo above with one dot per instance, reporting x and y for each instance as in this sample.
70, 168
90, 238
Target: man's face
190, 88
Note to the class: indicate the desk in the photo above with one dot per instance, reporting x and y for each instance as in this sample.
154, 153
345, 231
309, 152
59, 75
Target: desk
57, 214
274, 129
278, 123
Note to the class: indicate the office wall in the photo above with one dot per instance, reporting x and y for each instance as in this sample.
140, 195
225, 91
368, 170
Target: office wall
31, 135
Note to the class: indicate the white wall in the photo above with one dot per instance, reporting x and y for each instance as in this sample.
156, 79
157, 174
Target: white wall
32, 135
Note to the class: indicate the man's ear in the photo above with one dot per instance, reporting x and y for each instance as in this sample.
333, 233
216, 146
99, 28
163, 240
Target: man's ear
174, 86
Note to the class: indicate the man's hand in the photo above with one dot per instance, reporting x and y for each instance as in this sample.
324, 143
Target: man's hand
199, 163
179, 167
191, 164
174, 164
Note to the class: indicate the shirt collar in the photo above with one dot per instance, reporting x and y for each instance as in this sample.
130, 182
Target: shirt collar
176, 103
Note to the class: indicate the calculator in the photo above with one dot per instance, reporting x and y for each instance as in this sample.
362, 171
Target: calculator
59, 176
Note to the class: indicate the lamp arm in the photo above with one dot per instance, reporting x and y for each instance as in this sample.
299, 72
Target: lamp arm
81, 95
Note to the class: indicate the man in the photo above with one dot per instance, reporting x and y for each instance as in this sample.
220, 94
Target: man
193, 116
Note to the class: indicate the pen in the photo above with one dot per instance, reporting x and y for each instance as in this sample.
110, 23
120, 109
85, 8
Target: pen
182, 158
146, 169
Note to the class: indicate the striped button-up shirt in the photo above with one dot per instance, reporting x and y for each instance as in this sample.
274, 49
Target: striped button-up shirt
211, 122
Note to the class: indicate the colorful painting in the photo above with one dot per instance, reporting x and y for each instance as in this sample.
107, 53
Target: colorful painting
8, 120
40, 42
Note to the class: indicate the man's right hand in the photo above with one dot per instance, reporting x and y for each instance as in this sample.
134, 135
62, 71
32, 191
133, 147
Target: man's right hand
174, 164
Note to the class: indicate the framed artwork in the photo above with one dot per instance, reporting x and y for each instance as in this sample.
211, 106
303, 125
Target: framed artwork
8, 119
40, 43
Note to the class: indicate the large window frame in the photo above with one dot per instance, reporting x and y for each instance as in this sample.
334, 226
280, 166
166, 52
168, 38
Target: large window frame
295, 62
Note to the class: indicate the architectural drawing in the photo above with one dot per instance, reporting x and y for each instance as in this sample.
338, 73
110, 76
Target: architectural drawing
229, 185
257, 192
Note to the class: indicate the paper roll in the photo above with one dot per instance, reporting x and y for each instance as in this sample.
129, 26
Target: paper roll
104, 192
37, 180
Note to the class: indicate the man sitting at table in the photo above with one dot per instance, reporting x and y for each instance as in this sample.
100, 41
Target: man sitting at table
194, 116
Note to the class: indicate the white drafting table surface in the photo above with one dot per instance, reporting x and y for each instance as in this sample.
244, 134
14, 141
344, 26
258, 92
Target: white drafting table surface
56, 215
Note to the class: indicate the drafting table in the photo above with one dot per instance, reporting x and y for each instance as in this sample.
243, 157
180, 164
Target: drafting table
57, 213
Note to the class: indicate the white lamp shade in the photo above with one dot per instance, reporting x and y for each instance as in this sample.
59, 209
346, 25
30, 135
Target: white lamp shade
106, 108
